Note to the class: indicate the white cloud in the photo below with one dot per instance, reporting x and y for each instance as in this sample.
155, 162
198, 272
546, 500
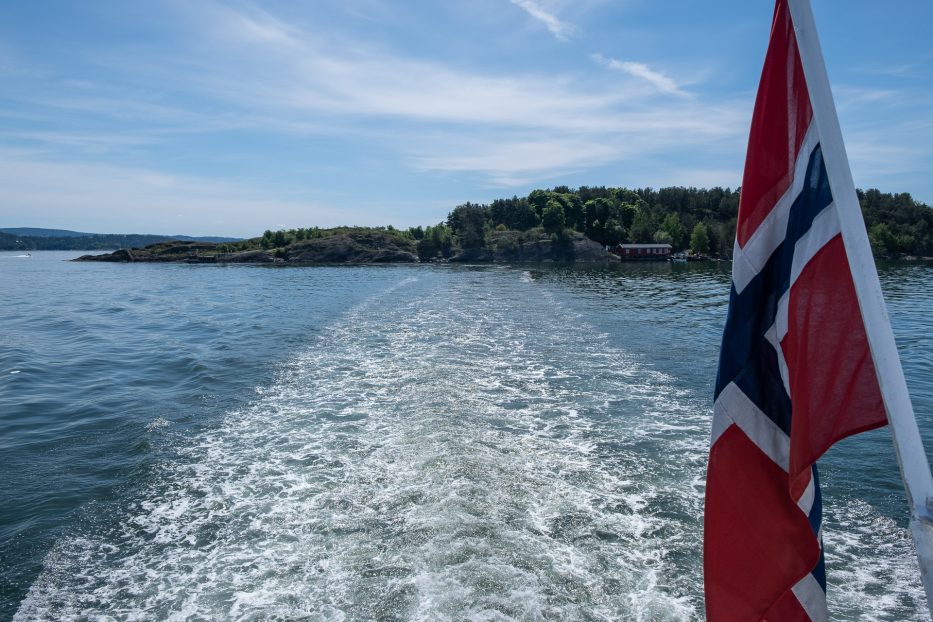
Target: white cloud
520, 162
259, 63
521, 158
89, 142
855, 96
244, 69
572, 124
556, 27
657, 79
903, 70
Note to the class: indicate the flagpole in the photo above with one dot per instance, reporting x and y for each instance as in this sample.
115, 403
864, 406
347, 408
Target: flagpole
915, 470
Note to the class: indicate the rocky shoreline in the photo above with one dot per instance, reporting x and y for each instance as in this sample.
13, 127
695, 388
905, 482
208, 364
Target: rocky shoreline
359, 248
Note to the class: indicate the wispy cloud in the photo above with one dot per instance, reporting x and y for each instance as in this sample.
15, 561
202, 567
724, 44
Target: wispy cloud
519, 162
243, 69
258, 64
100, 142
561, 30
39, 191
314, 75
522, 158
657, 79
855, 96
904, 70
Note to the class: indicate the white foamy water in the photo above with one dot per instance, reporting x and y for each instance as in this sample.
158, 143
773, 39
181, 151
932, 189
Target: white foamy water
465, 446
872, 565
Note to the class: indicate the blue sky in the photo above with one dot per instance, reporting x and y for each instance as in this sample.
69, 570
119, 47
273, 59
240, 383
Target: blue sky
230, 118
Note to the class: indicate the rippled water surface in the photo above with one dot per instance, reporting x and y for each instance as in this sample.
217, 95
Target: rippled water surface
393, 443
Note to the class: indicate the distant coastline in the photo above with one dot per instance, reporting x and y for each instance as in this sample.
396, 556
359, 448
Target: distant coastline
38, 239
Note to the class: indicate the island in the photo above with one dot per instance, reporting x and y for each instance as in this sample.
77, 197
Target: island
560, 224
359, 245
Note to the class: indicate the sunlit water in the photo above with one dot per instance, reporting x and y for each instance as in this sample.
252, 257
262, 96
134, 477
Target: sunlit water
393, 443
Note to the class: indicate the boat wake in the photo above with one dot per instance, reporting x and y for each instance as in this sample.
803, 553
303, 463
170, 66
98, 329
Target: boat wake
434, 455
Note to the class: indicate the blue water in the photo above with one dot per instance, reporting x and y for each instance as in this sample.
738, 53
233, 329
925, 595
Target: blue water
393, 443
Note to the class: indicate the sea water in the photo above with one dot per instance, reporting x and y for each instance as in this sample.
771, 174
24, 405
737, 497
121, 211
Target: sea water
394, 443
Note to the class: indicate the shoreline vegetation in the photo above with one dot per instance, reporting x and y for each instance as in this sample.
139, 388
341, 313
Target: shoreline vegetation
559, 224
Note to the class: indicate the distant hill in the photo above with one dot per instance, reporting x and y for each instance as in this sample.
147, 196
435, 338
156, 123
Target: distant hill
34, 232
33, 238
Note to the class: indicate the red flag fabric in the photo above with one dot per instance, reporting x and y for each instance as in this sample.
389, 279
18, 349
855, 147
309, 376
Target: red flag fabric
795, 371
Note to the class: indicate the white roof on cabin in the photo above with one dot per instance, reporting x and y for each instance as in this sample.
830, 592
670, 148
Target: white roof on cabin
667, 246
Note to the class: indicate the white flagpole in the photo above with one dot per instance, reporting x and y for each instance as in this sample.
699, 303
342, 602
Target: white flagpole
915, 470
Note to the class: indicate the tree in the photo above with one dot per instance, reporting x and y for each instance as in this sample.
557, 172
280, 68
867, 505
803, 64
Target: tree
538, 200
677, 235
699, 239
596, 210
627, 213
883, 242
643, 228
574, 214
436, 241
427, 249
553, 219
614, 233
514, 213
468, 222
524, 217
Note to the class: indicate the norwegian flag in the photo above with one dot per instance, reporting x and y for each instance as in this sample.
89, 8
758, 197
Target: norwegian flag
795, 372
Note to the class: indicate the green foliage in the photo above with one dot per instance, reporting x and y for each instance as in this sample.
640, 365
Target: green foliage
437, 242
617, 215
468, 223
553, 218
574, 212
699, 239
643, 228
676, 235
607, 221
883, 242
515, 213
907, 224
266, 240
627, 212
538, 200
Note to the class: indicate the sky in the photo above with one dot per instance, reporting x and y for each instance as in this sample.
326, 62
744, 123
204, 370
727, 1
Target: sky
202, 117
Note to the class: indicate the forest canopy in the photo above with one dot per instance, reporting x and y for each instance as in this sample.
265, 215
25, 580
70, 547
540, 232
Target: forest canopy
702, 220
